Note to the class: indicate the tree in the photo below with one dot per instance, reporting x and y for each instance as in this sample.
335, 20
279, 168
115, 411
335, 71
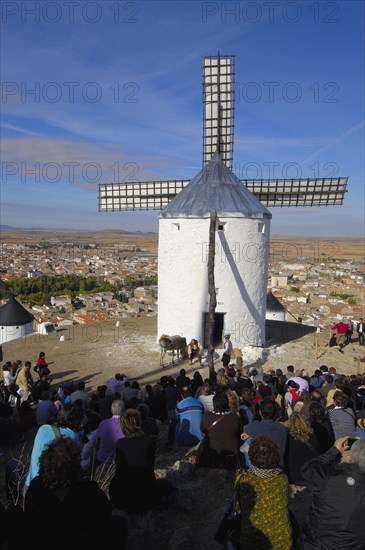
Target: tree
212, 293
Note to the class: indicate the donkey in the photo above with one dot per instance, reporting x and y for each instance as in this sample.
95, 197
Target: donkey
175, 344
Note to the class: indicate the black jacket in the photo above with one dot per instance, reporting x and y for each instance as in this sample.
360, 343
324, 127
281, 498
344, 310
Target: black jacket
336, 518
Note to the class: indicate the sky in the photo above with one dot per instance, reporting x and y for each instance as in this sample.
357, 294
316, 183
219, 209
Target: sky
111, 91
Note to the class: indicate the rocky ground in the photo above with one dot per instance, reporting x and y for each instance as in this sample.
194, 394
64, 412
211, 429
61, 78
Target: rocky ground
94, 353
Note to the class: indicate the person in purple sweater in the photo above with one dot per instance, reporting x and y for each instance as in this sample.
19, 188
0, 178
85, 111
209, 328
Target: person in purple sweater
108, 433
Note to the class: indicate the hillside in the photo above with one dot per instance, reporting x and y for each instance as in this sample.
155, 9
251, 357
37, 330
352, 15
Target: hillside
96, 352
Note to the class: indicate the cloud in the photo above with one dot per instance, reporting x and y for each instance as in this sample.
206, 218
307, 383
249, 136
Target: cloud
332, 142
25, 131
25, 216
77, 162
253, 143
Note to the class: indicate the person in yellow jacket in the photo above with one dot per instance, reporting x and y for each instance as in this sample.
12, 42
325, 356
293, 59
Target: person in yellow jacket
262, 499
25, 381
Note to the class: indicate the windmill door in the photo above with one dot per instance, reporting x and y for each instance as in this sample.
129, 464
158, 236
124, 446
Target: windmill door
218, 330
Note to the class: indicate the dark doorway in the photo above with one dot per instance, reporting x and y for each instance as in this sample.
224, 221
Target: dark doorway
218, 329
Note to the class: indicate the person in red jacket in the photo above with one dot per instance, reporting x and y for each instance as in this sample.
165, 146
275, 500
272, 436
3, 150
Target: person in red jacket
42, 366
340, 330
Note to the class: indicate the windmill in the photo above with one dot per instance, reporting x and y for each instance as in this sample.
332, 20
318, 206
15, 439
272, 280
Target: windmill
236, 208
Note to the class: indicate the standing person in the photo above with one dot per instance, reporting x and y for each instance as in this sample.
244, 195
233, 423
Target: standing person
25, 381
194, 350
349, 331
340, 331
228, 347
10, 385
42, 365
360, 329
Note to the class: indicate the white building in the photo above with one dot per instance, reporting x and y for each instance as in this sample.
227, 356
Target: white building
279, 280
241, 259
15, 321
46, 328
33, 273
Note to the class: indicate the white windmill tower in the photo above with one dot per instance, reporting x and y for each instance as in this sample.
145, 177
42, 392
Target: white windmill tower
242, 226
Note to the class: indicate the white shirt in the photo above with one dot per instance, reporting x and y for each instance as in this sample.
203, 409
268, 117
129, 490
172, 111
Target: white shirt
303, 384
228, 347
207, 402
9, 378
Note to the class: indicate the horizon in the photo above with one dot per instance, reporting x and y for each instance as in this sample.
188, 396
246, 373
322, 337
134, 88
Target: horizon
155, 233
110, 91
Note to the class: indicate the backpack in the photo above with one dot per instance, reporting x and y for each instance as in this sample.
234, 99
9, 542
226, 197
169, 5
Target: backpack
41, 370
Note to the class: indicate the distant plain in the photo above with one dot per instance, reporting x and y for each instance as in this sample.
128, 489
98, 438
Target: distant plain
288, 248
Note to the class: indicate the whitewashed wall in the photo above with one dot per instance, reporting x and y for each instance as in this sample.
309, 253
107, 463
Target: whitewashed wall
8, 333
276, 315
241, 268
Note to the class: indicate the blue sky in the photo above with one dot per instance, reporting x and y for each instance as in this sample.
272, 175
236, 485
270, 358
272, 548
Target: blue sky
104, 91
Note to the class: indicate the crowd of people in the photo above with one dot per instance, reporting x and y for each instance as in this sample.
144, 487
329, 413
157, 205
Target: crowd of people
273, 429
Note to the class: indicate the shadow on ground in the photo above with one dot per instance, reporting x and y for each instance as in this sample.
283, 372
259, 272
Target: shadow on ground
284, 331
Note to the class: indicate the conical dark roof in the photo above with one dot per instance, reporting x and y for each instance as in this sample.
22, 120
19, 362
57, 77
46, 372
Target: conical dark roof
272, 303
13, 314
215, 188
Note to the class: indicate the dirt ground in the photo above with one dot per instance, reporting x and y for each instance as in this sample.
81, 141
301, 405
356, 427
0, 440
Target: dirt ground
94, 353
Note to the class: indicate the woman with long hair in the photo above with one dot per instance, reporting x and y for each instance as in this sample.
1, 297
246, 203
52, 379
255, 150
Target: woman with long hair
321, 426
206, 397
134, 488
66, 508
301, 446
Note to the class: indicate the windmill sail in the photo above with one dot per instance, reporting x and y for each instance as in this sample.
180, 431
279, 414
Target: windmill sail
218, 107
218, 134
155, 195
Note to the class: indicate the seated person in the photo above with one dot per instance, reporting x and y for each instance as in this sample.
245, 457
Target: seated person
194, 351
182, 379
222, 430
108, 433
301, 446
134, 488
262, 499
150, 426
268, 426
185, 425
56, 498
336, 515
69, 423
